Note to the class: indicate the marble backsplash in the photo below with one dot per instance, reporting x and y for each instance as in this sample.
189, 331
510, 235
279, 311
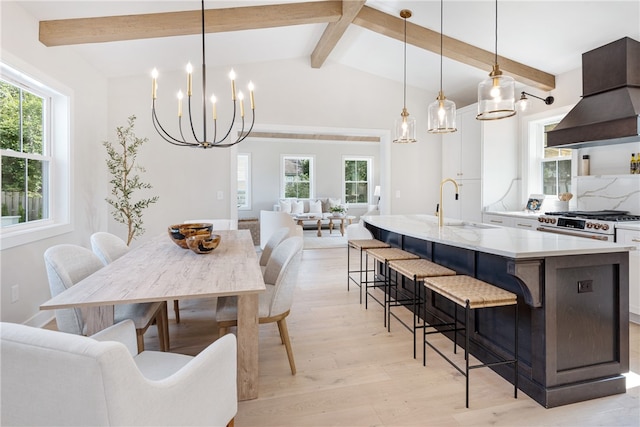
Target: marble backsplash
608, 192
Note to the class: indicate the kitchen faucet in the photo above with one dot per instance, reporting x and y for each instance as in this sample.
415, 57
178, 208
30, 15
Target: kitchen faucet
439, 210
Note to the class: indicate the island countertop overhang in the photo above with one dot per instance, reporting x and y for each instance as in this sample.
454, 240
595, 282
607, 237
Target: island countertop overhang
503, 241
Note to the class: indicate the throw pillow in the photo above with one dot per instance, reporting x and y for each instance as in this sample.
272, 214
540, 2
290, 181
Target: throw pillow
334, 202
297, 207
315, 206
285, 206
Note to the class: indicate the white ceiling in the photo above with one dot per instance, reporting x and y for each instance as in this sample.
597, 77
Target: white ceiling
548, 35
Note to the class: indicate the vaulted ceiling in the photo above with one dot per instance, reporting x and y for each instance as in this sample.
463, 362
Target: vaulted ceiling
536, 39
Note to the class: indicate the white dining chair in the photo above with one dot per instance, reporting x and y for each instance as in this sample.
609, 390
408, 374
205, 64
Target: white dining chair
67, 265
274, 305
108, 247
57, 379
218, 224
275, 239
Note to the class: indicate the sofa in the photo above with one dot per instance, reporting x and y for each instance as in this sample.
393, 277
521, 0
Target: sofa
313, 206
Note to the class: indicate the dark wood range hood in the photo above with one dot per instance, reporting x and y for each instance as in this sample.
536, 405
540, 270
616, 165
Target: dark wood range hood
609, 111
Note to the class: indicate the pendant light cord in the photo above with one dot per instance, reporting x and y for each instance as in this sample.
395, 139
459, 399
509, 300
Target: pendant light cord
404, 101
441, 5
496, 34
204, 81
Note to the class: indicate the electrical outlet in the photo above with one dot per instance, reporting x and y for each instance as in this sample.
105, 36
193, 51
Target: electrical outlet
15, 293
585, 286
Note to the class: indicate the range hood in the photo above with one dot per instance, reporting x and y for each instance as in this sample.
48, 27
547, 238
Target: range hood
609, 111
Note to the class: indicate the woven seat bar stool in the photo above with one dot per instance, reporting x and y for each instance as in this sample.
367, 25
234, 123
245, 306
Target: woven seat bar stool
416, 270
472, 294
361, 245
383, 255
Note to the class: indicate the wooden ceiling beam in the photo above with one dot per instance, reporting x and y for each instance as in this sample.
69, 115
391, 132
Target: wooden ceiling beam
334, 32
132, 27
465, 53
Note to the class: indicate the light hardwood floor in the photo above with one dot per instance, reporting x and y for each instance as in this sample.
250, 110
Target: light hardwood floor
352, 372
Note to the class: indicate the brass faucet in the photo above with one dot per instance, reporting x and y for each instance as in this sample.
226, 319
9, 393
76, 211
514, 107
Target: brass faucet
439, 210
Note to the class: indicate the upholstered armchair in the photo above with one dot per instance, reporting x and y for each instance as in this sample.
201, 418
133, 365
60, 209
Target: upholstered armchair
56, 378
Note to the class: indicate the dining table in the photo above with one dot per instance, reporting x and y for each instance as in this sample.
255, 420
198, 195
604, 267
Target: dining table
160, 270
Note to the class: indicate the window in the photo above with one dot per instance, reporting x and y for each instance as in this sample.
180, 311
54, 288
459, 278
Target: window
34, 153
556, 167
244, 181
25, 162
297, 177
356, 180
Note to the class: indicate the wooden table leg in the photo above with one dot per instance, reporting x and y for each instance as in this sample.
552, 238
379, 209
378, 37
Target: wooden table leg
247, 346
330, 225
319, 228
342, 226
97, 318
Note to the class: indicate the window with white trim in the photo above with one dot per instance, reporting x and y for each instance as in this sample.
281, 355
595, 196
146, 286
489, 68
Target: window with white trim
357, 179
555, 167
34, 152
297, 177
244, 181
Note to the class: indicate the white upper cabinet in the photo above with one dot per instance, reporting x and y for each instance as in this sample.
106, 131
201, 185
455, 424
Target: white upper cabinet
461, 150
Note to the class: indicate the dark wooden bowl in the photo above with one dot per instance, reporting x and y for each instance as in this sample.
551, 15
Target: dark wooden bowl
202, 244
180, 232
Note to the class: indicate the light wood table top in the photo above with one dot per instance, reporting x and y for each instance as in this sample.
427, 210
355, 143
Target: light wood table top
159, 270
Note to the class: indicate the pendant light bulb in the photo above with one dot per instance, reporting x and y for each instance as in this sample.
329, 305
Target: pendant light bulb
405, 126
442, 112
496, 94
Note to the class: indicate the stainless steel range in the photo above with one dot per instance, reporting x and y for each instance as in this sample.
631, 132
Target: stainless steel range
600, 225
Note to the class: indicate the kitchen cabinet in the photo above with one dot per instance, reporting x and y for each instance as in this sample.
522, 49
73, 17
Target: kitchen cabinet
494, 219
632, 237
525, 223
461, 150
482, 157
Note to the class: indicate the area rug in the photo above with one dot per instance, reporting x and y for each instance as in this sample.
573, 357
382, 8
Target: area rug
333, 240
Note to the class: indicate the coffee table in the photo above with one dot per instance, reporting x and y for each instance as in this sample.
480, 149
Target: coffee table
342, 219
308, 217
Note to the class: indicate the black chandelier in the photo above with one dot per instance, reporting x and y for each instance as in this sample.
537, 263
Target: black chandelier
203, 142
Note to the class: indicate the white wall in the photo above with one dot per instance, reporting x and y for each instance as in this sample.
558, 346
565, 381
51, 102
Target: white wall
289, 94
24, 265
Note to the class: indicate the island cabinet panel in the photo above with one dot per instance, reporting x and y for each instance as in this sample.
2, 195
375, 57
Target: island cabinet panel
573, 330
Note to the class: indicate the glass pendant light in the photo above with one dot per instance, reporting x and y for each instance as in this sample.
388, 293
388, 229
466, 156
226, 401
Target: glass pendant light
442, 112
496, 95
405, 126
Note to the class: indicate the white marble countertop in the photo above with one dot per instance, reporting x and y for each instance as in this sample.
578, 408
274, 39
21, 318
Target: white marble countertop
504, 241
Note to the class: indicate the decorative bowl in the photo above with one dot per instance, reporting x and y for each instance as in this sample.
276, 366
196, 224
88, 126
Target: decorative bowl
180, 232
202, 244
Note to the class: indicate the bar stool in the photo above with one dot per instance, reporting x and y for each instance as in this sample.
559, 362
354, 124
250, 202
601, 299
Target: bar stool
362, 245
471, 294
383, 255
416, 270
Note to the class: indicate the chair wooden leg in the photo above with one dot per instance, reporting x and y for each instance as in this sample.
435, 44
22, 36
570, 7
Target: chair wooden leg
176, 310
284, 333
231, 423
222, 331
140, 339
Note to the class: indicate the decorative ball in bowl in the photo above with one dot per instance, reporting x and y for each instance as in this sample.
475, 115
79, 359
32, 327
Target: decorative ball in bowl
180, 232
202, 244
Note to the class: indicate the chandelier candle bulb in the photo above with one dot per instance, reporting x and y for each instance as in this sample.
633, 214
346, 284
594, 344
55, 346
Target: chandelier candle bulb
232, 76
189, 78
251, 87
214, 109
180, 96
154, 83
241, 98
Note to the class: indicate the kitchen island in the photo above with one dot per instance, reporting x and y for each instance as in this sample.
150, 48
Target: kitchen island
572, 297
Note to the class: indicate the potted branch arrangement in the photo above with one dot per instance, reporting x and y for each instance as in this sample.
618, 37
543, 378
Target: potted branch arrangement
337, 211
125, 180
